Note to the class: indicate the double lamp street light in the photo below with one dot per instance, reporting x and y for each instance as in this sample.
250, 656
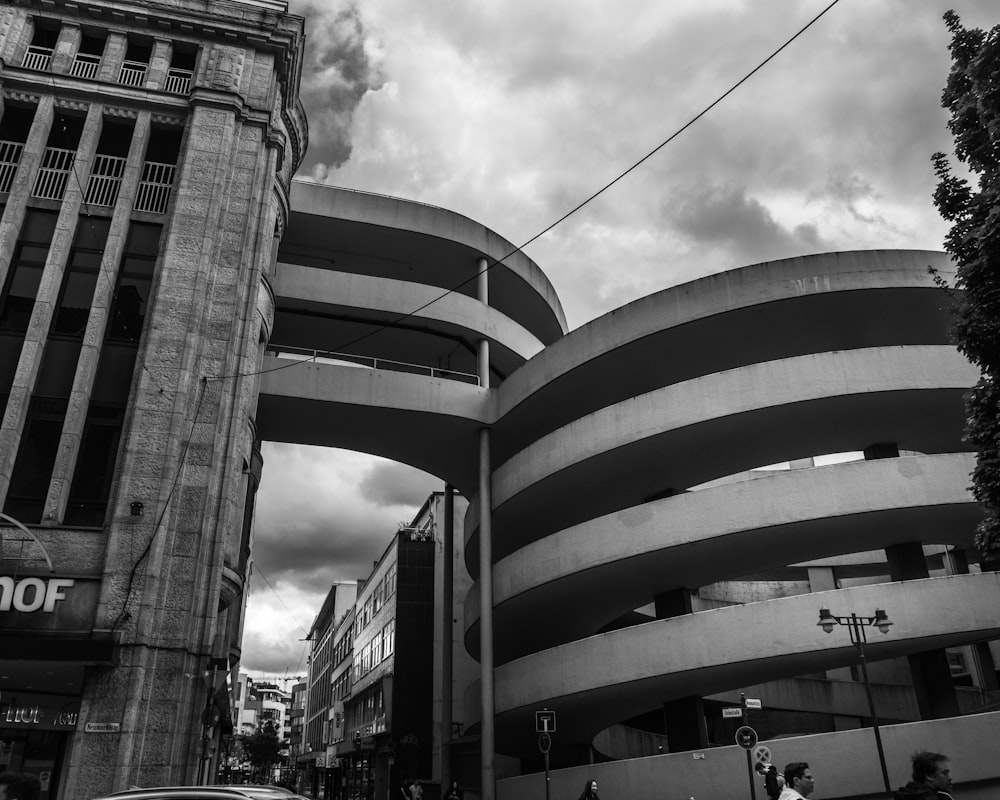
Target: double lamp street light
856, 626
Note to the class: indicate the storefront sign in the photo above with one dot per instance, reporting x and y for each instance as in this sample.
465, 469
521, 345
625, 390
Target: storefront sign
32, 594
49, 603
40, 712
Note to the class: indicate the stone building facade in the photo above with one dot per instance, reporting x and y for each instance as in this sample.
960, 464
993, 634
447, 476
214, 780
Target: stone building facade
146, 150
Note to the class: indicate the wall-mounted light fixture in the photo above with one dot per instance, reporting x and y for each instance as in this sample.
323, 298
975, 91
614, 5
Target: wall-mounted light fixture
135, 508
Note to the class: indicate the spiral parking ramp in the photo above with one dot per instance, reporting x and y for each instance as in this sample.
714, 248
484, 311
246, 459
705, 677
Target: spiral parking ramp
624, 453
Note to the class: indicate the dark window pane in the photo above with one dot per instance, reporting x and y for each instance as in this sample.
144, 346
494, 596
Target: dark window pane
19, 299
36, 456
88, 496
74, 308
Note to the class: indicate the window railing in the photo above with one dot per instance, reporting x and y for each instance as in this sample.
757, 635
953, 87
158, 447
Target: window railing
354, 360
178, 81
85, 65
10, 157
105, 180
154, 188
53, 175
37, 58
133, 73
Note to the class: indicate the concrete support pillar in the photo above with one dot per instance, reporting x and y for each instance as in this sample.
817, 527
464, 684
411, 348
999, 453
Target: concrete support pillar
447, 641
683, 717
486, 615
931, 675
981, 664
483, 295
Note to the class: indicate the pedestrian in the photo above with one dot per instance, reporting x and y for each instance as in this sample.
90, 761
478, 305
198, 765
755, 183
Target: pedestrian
774, 781
454, 793
799, 781
19, 786
589, 791
931, 778
416, 790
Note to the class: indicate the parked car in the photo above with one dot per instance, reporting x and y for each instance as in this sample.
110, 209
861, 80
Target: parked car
241, 792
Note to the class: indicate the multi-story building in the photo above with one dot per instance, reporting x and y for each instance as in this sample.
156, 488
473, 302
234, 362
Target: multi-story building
145, 156
151, 334
326, 664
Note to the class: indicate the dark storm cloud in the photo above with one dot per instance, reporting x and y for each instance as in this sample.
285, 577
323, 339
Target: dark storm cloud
726, 216
337, 74
325, 515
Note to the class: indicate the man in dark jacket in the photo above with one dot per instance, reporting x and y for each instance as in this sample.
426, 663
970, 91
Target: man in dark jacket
931, 778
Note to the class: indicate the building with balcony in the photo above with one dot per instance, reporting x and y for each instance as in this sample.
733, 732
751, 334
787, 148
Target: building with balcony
146, 150
170, 297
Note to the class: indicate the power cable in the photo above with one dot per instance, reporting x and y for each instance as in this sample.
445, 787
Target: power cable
271, 587
560, 220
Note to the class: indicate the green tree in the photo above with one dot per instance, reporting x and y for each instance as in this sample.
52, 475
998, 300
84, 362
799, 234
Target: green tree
261, 748
972, 96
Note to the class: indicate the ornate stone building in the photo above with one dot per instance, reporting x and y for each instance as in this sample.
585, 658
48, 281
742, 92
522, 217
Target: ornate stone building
146, 150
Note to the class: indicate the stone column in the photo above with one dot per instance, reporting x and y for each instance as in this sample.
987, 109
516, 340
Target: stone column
683, 717
66, 47
97, 322
114, 56
45, 301
159, 64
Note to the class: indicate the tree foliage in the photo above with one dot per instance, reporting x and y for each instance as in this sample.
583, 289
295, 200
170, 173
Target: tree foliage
972, 96
262, 747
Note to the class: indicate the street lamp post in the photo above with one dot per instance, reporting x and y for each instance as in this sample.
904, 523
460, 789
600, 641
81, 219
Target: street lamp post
856, 626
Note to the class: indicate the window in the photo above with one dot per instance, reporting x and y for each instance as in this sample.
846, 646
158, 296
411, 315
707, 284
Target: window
388, 638
135, 278
77, 292
35, 458
30, 252
91, 486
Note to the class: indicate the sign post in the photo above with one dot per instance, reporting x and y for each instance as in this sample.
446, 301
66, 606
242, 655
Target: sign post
746, 737
545, 725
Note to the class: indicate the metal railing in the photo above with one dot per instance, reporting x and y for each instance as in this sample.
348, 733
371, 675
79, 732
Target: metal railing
10, 157
178, 81
53, 175
354, 360
105, 180
85, 65
133, 73
154, 187
37, 58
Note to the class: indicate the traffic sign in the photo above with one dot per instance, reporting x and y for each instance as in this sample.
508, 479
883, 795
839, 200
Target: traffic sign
754, 702
545, 721
746, 737
762, 754
732, 712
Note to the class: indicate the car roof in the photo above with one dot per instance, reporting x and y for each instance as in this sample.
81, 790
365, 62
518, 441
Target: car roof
203, 793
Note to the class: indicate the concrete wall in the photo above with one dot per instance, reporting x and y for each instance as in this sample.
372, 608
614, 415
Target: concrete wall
845, 765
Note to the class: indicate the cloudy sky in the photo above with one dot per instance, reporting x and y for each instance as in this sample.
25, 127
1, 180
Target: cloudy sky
513, 112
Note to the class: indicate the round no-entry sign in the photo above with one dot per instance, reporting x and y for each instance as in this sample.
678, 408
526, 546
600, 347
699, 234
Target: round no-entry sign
746, 737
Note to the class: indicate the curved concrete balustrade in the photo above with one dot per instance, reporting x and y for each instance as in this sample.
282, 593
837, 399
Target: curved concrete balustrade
590, 574
717, 425
323, 305
391, 237
430, 423
592, 683
764, 312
